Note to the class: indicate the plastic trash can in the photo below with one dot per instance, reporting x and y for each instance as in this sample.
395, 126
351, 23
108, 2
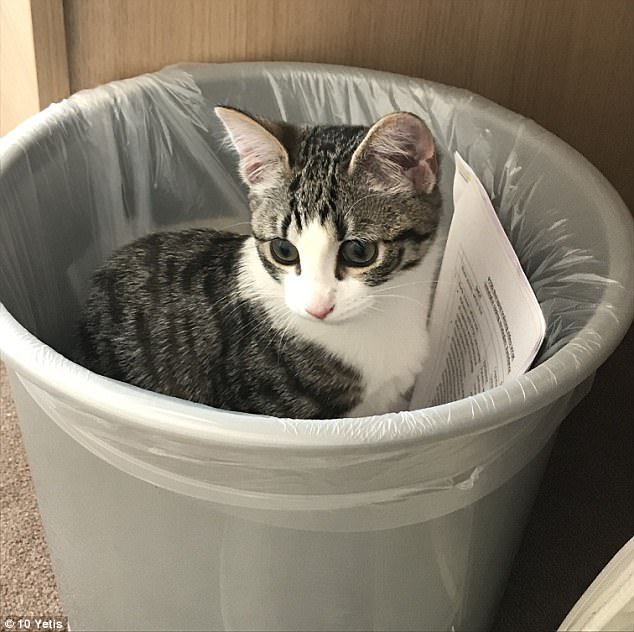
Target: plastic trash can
161, 514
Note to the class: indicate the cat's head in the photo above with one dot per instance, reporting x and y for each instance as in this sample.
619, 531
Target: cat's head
337, 211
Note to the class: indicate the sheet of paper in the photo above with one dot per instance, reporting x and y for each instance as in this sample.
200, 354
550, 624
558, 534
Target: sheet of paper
486, 325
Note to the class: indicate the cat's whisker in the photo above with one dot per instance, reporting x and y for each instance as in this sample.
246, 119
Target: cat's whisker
285, 330
389, 288
235, 225
407, 298
361, 199
247, 331
273, 330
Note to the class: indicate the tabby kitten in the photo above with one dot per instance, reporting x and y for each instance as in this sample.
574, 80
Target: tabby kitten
320, 313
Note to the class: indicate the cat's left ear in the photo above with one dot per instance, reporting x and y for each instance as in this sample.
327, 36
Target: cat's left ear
263, 158
398, 155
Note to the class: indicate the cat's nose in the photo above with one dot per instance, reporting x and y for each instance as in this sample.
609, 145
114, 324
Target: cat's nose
320, 311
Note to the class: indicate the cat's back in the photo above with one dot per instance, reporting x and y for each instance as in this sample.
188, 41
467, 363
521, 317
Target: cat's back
161, 256
143, 297
162, 267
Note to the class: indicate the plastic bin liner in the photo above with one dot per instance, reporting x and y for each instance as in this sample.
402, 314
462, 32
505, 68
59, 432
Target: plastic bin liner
108, 165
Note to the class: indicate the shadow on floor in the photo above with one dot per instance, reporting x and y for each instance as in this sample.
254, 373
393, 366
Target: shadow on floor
584, 510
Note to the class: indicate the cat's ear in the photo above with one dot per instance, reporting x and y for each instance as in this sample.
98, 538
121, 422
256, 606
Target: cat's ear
397, 155
263, 159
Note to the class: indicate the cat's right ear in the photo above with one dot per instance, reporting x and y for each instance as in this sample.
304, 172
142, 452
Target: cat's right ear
263, 158
397, 155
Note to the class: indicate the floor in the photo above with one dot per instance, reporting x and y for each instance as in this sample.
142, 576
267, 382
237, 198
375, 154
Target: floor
579, 521
26, 577
584, 511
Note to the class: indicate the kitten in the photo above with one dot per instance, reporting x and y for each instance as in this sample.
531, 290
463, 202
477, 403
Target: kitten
321, 313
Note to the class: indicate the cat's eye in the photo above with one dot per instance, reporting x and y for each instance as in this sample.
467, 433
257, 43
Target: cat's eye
284, 252
359, 253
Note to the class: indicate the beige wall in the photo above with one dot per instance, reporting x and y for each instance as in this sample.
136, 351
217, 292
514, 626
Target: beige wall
569, 64
33, 62
17, 64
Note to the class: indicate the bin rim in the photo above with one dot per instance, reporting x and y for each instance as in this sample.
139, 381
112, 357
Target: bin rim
577, 360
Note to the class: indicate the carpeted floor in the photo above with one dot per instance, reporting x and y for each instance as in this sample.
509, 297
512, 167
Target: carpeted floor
26, 576
579, 521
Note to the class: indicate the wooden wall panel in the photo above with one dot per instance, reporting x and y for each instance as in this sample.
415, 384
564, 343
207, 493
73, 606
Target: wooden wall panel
49, 39
569, 64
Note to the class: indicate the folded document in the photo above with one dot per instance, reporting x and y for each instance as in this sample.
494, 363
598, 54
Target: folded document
486, 325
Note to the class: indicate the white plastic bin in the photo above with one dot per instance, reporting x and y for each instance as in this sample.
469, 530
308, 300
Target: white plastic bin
161, 514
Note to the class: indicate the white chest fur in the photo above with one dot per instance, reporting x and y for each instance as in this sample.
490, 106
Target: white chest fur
387, 343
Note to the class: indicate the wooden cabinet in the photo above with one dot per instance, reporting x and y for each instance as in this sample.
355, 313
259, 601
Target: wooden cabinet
568, 64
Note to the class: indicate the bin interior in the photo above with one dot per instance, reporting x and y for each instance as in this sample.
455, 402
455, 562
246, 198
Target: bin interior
112, 164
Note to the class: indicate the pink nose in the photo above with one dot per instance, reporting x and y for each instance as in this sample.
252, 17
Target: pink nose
320, 311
